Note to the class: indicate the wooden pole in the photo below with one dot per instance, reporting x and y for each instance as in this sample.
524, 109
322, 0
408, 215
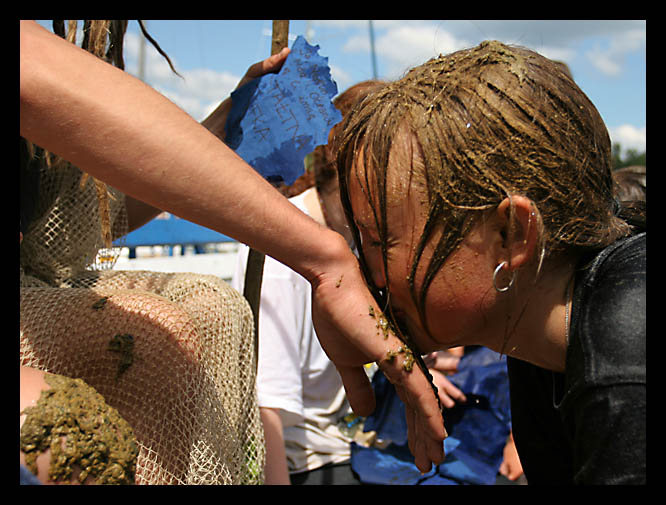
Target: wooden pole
255, 260
280, 35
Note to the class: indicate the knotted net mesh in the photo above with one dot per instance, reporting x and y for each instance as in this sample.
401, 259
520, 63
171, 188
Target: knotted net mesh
186, 384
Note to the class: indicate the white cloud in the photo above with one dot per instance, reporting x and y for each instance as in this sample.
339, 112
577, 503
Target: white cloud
629, 137
609, 59
341, 78
341, 23
357, 43
207, 84
557, 53
198, 92
405, 44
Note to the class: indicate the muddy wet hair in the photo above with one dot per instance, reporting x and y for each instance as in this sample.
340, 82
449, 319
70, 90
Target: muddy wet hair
104, 38
488, 122
324, 167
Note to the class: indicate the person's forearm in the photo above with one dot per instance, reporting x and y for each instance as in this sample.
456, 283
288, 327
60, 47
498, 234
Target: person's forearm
139, 213
124, 133
275, 469
216, 121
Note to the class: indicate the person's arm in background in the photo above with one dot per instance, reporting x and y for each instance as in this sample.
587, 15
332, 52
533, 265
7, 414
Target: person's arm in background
443, 363
511, 467
124, 133
275, 470
283, 308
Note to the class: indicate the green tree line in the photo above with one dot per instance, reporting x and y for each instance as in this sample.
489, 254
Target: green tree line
630, 157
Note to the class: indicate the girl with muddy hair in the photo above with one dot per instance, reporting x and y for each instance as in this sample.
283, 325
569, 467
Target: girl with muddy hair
479, 188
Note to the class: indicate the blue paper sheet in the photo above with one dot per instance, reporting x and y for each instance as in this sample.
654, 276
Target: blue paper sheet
278, 119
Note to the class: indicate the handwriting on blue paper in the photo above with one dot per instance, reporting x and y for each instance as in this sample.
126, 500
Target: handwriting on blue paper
278, 119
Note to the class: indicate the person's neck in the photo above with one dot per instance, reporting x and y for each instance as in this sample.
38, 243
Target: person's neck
537, 329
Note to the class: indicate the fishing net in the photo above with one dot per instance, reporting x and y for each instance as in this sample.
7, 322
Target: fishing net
172, 352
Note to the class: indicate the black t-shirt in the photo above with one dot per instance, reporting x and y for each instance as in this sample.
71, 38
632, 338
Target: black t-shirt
588, 424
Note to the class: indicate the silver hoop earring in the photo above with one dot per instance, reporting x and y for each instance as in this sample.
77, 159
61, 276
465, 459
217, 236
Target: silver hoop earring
497, 270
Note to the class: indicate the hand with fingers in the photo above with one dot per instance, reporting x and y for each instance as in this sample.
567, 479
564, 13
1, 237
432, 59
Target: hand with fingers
440, 364
217, 120
342, 309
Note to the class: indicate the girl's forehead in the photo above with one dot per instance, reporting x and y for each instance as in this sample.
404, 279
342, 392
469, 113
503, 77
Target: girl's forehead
403, 182
403, 173
362, 191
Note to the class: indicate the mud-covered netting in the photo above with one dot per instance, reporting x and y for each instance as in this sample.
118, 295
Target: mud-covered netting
173, 353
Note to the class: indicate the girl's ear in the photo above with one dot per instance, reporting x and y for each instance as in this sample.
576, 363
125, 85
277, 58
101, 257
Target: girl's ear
519, 229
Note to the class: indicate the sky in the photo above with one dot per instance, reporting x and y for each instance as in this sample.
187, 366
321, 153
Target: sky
607, 58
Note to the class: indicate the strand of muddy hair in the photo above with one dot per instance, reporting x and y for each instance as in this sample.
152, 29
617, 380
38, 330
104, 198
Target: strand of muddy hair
95, 36
59, 27
157, 47
114, 54
96, 33
381, 224
416, 354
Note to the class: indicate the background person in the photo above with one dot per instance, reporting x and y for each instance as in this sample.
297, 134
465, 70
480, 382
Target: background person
301, 397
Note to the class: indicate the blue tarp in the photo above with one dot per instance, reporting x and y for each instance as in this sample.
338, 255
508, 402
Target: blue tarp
477, 430
171, 230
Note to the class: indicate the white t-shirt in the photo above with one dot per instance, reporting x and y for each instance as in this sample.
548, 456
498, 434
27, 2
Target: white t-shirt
294, 374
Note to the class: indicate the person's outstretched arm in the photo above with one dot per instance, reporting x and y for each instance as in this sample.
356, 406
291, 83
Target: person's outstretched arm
126, 134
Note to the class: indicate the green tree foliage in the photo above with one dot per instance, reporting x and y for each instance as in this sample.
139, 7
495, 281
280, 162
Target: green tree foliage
631, 157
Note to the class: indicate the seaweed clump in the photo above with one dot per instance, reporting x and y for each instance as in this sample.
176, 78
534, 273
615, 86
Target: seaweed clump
82, 431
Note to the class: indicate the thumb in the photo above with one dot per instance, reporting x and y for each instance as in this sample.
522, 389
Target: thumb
359, 391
